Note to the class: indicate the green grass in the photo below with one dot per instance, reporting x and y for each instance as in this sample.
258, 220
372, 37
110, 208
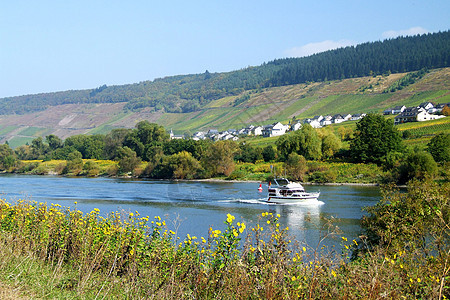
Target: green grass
7, 129
107, 127
221, 102
347, 104
19, 141
32, 131
427, 96
285, 114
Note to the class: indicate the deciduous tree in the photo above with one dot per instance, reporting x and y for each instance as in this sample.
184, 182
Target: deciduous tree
439, 147
375, 137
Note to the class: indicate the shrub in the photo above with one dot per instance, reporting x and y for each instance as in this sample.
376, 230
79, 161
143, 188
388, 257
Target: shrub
323, 177
236, 174
417, 165
439, 147
296, 167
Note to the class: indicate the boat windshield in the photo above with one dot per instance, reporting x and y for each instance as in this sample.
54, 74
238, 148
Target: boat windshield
281, 181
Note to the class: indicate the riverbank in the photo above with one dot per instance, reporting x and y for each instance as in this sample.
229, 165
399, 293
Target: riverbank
316, 173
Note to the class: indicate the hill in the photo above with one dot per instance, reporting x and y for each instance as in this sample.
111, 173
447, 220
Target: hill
259, 106
188, 93
364, 78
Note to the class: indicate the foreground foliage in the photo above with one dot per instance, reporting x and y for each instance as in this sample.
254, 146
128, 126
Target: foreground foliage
61, 252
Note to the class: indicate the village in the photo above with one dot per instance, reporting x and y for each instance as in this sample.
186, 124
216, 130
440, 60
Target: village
424, 112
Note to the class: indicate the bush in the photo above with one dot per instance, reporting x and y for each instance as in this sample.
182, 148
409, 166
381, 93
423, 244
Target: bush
91, 168
439, 147
236, 174
112, 170
416, 220
417, 165
296, 167
323, 177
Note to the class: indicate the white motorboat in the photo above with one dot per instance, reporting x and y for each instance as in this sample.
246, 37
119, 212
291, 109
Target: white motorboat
286, 191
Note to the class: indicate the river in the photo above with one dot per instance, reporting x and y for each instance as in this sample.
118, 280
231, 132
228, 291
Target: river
192, 207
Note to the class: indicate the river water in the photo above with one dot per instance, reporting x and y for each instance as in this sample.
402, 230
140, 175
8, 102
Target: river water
192, 207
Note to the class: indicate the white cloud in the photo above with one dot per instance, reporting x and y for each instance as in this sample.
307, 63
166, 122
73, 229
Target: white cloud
411, 31
313, 48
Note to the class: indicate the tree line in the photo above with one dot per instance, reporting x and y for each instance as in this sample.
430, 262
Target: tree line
186, 93
375, 140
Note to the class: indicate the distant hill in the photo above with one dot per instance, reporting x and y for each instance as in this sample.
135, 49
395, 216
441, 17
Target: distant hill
193, 93
258, 107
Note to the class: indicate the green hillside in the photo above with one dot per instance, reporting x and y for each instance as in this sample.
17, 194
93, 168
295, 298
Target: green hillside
366, 78
189, 93
260, 107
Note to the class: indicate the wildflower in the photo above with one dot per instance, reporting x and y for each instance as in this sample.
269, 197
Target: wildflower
230, 218
268, 222
241, 230
333, 273
344, 238
304, 249
293, 278
419, 280
356, 243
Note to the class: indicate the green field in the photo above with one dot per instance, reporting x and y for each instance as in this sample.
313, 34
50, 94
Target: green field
33, 131
7, 129
19, 141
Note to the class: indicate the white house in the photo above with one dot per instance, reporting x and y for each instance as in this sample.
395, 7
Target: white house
337, 119
327, 120
426, 105
274, 129
314, 122
257, 130
296, 126
347, 117
415, 114
394, 111
357, 117
199, 135
438, 108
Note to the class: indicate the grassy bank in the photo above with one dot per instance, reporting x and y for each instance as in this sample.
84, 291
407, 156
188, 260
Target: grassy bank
318, 171
55, 252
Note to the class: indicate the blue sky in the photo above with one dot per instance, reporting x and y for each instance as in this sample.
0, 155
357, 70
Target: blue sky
48, 46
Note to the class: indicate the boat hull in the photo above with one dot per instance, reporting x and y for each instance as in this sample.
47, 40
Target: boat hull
293, 199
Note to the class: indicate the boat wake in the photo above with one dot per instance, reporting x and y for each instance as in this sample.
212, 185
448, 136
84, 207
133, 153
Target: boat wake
306, 203
248, 201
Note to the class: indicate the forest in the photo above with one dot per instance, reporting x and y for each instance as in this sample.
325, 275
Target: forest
187, 93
